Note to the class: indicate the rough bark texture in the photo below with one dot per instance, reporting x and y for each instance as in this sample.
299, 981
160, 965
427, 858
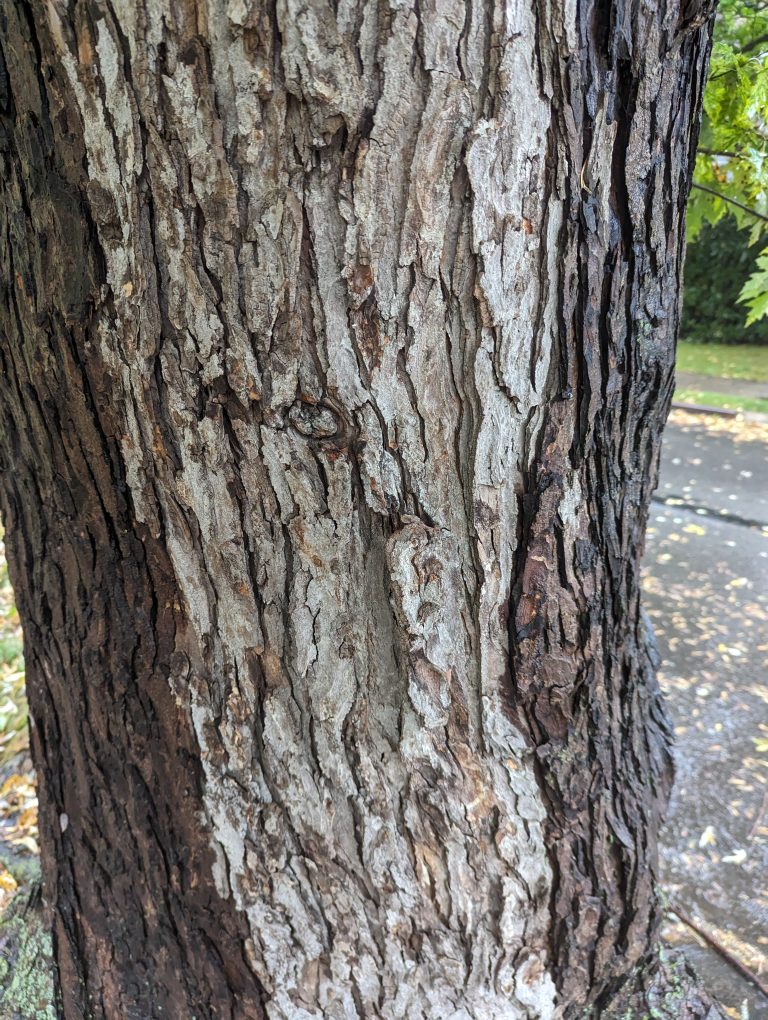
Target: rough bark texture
337, 342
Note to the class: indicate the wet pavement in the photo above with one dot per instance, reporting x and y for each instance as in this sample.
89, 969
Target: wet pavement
706, 591
715, 470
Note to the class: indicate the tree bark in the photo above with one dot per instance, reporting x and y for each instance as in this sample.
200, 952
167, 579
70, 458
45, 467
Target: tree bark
337, 344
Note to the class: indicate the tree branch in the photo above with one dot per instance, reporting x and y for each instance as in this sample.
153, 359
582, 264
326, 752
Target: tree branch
718, 152
731, 201
754, 43
726, 954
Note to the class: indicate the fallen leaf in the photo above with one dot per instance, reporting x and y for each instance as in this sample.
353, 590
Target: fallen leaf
737, 857
7, 882
695, 529
707, 837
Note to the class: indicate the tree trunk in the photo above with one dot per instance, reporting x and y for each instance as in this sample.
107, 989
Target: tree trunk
337, 343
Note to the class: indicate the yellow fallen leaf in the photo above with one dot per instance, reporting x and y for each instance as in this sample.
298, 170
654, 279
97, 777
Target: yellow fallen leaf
707, 837
12, 783
27, 818
28, 842
7, 882
695, 529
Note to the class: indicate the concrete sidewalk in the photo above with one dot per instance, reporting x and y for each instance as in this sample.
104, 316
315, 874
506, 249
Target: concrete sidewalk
710, 470
706, 592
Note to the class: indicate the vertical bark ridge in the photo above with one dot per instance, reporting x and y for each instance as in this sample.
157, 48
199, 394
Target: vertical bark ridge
583, 654
312, 227
119, 776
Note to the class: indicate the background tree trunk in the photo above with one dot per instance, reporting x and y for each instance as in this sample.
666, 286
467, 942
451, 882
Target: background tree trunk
337, 342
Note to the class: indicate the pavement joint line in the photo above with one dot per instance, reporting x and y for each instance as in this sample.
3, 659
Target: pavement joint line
679, 503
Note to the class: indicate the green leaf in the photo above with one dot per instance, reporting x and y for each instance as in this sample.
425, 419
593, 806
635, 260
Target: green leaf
754, 293
731, 172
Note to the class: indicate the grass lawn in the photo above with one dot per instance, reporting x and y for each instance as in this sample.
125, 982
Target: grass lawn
728, 403
726, 361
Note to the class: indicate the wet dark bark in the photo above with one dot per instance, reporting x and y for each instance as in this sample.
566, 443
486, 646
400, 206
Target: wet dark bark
335, 352
137, 932
583, 653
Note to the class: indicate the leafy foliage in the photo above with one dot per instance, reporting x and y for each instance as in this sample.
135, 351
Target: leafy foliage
715, 270
755, 291
731, 177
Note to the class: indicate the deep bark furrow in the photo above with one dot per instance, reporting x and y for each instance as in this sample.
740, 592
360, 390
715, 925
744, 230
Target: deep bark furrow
589, 698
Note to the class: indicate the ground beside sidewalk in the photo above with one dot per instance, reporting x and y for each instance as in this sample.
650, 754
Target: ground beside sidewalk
706, 591
728, 361
730, 376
